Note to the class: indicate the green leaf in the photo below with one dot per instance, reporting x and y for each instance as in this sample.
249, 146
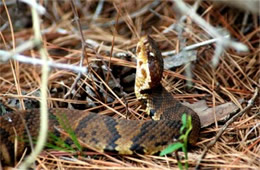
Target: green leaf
183, 138
184, 122
171, 148
63, 120
189, 123
55, 147
58, 143
180, 165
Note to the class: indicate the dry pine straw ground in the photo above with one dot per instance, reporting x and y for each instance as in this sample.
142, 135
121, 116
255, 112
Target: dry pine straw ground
234, 78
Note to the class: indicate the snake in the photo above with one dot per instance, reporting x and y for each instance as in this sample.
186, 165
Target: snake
104, 133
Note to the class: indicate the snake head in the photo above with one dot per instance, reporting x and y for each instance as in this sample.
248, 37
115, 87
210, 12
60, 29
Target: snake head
149, 68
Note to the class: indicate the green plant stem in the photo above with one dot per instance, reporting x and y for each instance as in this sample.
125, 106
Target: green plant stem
43, 109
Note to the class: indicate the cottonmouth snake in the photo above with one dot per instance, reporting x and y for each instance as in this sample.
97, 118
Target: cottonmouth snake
105, 133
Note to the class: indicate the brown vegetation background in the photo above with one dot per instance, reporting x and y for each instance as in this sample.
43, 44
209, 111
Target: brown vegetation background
111, 35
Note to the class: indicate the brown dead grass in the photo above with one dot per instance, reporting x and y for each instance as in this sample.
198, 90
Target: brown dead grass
234, 78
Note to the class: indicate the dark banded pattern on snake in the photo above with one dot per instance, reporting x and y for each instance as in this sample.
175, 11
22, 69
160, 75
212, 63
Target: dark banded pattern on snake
105, 133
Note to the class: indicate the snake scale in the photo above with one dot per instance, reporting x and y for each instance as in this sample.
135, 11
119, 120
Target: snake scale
105, 133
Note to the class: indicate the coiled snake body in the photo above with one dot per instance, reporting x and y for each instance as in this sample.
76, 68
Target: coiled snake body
105, 133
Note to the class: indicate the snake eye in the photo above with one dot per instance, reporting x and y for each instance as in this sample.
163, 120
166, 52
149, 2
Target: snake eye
151, 54
152, 113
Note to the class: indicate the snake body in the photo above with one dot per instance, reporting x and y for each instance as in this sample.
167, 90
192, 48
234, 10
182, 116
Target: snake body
105, 133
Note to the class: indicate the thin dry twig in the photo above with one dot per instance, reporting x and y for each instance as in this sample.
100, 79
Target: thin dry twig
42, 138
222, 42
193, 46
98, 10
25, 46
83, 47
229, 122
36, 61
133, 15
